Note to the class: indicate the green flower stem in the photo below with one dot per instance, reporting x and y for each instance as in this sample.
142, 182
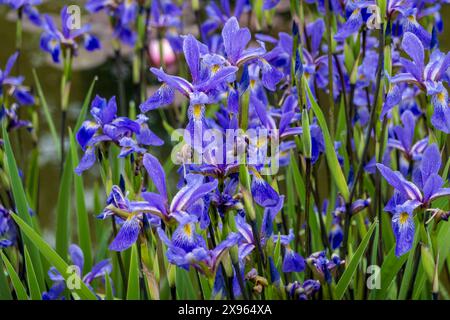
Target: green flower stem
328, 18
373, 113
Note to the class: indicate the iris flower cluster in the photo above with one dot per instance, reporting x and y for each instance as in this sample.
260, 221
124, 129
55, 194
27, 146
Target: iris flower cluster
344, 100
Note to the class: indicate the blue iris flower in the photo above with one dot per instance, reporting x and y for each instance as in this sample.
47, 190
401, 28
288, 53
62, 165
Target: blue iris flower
427, 186
100, 270
28, 7
429, 78
107, 127
53, 40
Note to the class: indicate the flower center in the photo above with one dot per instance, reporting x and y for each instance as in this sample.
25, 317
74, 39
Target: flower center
197, 111
441, 97
215, 68
403, 217
188, 229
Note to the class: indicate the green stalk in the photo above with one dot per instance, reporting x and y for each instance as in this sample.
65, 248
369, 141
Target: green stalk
66, 82
330, 68
380, 71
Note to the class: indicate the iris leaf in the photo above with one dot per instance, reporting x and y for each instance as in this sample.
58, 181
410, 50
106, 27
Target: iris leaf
52, 257
347, 276
133, 291
330, 153
47, 114
18, 286
63, 231
33, 285
84, 234
21, 203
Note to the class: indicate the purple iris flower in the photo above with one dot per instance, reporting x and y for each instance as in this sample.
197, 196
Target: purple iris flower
165, 14
130, 215
335, 6
227, 200
184, 201
12, 117
187, 248
13, 85
26, 6
235, 41
292, 262
427, 187
247, 242
108, 127
428, 78
322, 266
7, 229
218, 12
403, 137
54, 41
209, 73
100, 270
304, 291
355, 20
125, 14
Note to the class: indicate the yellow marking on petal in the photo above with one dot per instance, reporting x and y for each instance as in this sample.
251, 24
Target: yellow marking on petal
187, 229
197, 111
411, 18
53, 43
441, 97
252, 83
403, 217
215, 68
260, 142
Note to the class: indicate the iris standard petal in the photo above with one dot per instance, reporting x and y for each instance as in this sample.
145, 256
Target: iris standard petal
156, 173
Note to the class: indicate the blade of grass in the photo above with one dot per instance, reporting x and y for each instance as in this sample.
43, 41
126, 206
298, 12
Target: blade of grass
109, 293
389, 270
84, 107
63, 230
330, 154
15, 280
84, 233
47, 114
133, 291
5, 291
21, 203
347, 276
33, 285
52, 257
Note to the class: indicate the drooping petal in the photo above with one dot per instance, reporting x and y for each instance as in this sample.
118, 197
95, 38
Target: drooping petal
162, 97
101, 269
127, 235
263, 193
403, 227
175, 82
86, 132
441, 116
76, 256
396, 180
293, 262
393, 98
350, 27
86, 161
